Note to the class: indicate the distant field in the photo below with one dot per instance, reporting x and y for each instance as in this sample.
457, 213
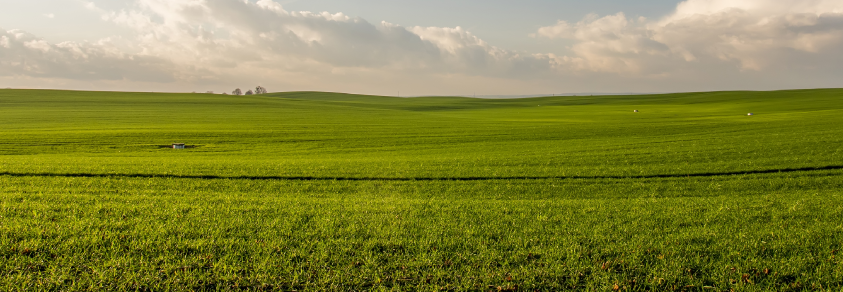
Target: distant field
322, 191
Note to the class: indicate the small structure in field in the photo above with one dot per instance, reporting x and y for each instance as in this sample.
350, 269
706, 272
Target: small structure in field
178, 145
750, 114
636, 111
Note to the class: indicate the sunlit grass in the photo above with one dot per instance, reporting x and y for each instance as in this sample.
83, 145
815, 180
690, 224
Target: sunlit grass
320, 191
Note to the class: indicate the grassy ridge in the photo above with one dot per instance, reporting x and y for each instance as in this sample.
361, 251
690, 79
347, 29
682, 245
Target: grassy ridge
313, 134
327, 191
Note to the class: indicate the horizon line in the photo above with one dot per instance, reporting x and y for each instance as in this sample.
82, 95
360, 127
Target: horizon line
479, 96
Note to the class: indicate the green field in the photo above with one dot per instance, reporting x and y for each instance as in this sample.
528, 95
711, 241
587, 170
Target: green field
321, 191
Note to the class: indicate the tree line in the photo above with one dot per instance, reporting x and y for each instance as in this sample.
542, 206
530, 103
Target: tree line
258, 90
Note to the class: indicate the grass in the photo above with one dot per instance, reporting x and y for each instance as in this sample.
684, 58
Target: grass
324, 191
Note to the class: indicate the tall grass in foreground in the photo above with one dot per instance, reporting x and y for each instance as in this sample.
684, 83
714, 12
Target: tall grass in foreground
313, 191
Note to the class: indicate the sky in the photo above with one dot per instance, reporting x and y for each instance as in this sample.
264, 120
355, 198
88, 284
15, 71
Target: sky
413, 48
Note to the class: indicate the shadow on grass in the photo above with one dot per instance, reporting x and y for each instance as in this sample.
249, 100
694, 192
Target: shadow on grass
330, 178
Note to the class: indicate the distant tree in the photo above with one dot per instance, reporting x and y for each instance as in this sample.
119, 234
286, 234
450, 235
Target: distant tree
249, 92
225, 93
237, 92
260, 90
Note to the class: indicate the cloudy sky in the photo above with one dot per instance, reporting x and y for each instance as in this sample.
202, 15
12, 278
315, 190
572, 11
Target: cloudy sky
432, 47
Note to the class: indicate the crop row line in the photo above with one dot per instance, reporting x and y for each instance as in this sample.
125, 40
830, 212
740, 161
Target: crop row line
336, 178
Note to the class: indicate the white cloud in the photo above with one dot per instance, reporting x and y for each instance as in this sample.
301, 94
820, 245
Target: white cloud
39, 45
233, 39
755, 34
239, 32
22, 54
702, 45
50, 15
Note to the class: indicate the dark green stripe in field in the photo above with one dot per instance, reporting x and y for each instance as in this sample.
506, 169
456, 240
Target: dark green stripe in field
325, 191
328, 178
